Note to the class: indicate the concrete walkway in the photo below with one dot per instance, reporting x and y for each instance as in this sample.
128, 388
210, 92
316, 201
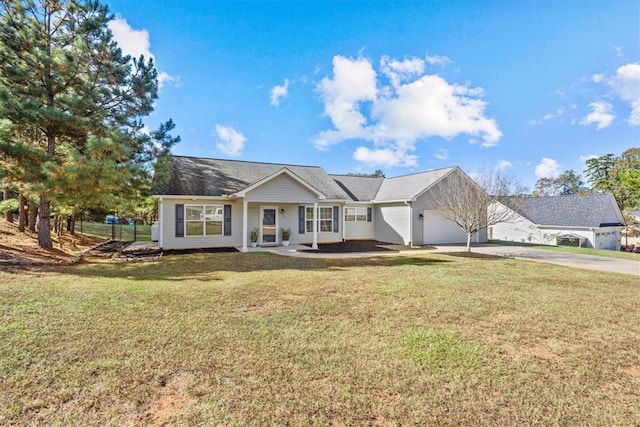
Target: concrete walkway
591, 262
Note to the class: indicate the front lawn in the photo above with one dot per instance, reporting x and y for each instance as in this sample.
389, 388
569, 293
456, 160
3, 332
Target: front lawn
260, 339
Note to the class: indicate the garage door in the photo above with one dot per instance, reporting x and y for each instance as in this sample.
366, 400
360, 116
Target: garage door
437, 229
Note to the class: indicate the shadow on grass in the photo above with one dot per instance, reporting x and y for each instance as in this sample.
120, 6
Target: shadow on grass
474, 255
209, 266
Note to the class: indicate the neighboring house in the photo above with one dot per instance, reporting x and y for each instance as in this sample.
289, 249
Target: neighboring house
216, 203
592, 221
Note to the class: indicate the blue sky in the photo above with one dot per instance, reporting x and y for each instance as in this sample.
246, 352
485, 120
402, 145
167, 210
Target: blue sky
530, 87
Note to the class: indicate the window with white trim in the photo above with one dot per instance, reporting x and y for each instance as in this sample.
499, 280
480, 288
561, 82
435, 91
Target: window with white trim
325, 219
203, 220
355, 214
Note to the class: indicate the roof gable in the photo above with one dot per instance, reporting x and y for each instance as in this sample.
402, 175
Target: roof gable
591, 210
283, 171
408, 187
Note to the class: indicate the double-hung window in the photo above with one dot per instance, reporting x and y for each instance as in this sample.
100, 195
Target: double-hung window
204, 220
355, 214
325, 219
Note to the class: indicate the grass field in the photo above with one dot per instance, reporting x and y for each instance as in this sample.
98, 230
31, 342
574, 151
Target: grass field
259, 339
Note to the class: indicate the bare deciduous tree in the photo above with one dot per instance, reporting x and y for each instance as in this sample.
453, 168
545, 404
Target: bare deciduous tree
472, 204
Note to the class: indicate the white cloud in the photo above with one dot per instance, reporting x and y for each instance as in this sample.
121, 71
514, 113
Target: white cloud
354, 82
626, 85
549, 116
441, 154
393, 118
132, 42
559, 112
229, 141
601, 115
398, 72
431, 107
503, 164
438, 60
164, 77
384, 157
136, 43
547, 168
278, 92
597, 78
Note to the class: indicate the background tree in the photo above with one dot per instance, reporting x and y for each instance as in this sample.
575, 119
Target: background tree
570, 183
64, 75
567, 183
612, 174
378, 173
599, 173
631, 183
472, 206
546, 187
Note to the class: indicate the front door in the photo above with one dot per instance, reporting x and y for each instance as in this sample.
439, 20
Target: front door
269, 226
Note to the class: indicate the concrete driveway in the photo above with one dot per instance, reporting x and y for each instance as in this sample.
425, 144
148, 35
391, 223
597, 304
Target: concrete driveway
592, 262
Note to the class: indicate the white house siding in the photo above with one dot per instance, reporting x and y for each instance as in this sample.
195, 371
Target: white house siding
360, 230
437, 229
392, 223
421, 230
281, 189
521, 230
168, 224
524, 231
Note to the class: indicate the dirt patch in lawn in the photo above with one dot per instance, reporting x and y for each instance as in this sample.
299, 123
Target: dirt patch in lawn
174, 399
17, 248
363, 246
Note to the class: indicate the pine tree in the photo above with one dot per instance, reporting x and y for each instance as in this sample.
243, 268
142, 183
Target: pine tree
64, 75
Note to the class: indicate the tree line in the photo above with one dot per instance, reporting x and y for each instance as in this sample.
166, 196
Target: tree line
618, 175
71, 110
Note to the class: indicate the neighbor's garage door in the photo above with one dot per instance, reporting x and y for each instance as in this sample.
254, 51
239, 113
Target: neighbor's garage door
437, 229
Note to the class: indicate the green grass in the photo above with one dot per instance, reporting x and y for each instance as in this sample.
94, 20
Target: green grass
259, 339
570, 249
122, 232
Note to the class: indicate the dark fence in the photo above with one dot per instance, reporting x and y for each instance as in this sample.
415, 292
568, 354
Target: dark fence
123, 232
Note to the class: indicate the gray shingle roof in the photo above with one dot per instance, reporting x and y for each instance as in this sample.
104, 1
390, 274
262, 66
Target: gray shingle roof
193, 176
359, 188
409, 186
578, 211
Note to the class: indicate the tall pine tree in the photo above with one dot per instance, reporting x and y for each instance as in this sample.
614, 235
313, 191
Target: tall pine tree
64, 75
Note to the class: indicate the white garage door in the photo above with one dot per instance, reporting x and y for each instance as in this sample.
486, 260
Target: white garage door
437, 229
607, 240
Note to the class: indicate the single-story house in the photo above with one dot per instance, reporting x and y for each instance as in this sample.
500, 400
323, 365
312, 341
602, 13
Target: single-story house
206, 203
592, 220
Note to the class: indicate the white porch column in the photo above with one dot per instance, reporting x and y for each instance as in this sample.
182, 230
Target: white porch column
245, 208
315, 226
161, 224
